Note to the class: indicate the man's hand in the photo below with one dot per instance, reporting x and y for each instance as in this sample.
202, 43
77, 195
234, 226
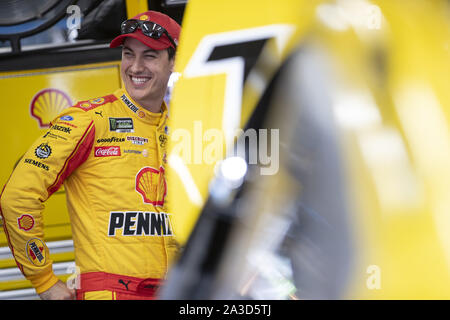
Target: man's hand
58, 291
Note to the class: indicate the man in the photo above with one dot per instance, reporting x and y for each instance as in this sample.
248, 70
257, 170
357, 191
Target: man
110, 153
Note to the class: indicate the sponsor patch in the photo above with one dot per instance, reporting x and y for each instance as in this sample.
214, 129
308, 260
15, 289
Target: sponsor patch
121, 125
85, 105
109, 151
137, 140
132, 151
162, 140
151, 185
110, 140
97, 101
25, 222
37, 164
68, 124
129, 104
61, 128
140, 224
36, 251
48, 134
66, 118
43, 151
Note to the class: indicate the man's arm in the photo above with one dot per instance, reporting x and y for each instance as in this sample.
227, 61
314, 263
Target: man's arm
58, 291
39, 173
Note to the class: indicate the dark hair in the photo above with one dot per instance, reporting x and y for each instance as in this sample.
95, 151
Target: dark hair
171, 52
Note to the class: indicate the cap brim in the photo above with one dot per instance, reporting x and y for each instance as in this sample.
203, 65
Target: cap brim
159, 44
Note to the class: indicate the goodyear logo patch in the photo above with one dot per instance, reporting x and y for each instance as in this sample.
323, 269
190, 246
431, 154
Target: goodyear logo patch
36, 251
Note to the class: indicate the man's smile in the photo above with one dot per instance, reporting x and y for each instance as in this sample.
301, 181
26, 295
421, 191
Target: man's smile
139, 80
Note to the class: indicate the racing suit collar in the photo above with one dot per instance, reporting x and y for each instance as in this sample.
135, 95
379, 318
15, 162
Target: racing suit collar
156, 119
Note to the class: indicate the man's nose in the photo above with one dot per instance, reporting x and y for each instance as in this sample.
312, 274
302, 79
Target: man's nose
137, 65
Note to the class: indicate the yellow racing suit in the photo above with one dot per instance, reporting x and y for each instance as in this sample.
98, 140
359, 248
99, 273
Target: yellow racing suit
110, 153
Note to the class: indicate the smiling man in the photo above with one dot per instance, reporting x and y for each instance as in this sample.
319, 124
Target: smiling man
145, 73
147, 63
110, 153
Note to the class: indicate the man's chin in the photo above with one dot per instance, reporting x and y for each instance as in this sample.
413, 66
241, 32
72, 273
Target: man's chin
136, 93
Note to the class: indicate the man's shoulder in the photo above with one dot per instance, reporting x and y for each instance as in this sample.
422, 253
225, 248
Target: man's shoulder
91, 104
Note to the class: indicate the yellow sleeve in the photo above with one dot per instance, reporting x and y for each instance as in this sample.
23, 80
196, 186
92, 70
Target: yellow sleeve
39, 173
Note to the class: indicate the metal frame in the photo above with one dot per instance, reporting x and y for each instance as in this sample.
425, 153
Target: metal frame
14, 38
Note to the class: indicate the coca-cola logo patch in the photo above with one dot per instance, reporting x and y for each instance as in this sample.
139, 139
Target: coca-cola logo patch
109, 151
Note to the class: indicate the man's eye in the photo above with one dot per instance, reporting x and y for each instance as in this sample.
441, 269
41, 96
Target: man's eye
151, 56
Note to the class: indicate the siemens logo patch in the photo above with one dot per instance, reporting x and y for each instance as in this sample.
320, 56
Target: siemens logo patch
139, 224
37, 164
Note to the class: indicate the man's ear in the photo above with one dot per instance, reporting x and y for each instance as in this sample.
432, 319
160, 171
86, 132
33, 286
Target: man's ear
172, 63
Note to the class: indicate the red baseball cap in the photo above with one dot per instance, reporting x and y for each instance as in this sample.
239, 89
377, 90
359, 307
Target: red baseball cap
172, 27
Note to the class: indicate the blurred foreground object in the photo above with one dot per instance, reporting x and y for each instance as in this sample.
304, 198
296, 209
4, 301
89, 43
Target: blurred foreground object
360, 205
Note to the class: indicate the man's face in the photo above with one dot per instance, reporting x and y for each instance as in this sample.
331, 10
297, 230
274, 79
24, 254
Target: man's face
145, 72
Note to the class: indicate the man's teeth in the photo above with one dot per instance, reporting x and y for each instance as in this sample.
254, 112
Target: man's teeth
139, 80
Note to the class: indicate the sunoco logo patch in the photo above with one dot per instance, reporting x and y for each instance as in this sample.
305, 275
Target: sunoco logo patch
121, 124
43, 151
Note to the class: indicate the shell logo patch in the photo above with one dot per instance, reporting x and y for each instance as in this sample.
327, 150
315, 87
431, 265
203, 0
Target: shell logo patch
143, 17
47, 104
25, 222
36, 252
43, 151
151, 184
